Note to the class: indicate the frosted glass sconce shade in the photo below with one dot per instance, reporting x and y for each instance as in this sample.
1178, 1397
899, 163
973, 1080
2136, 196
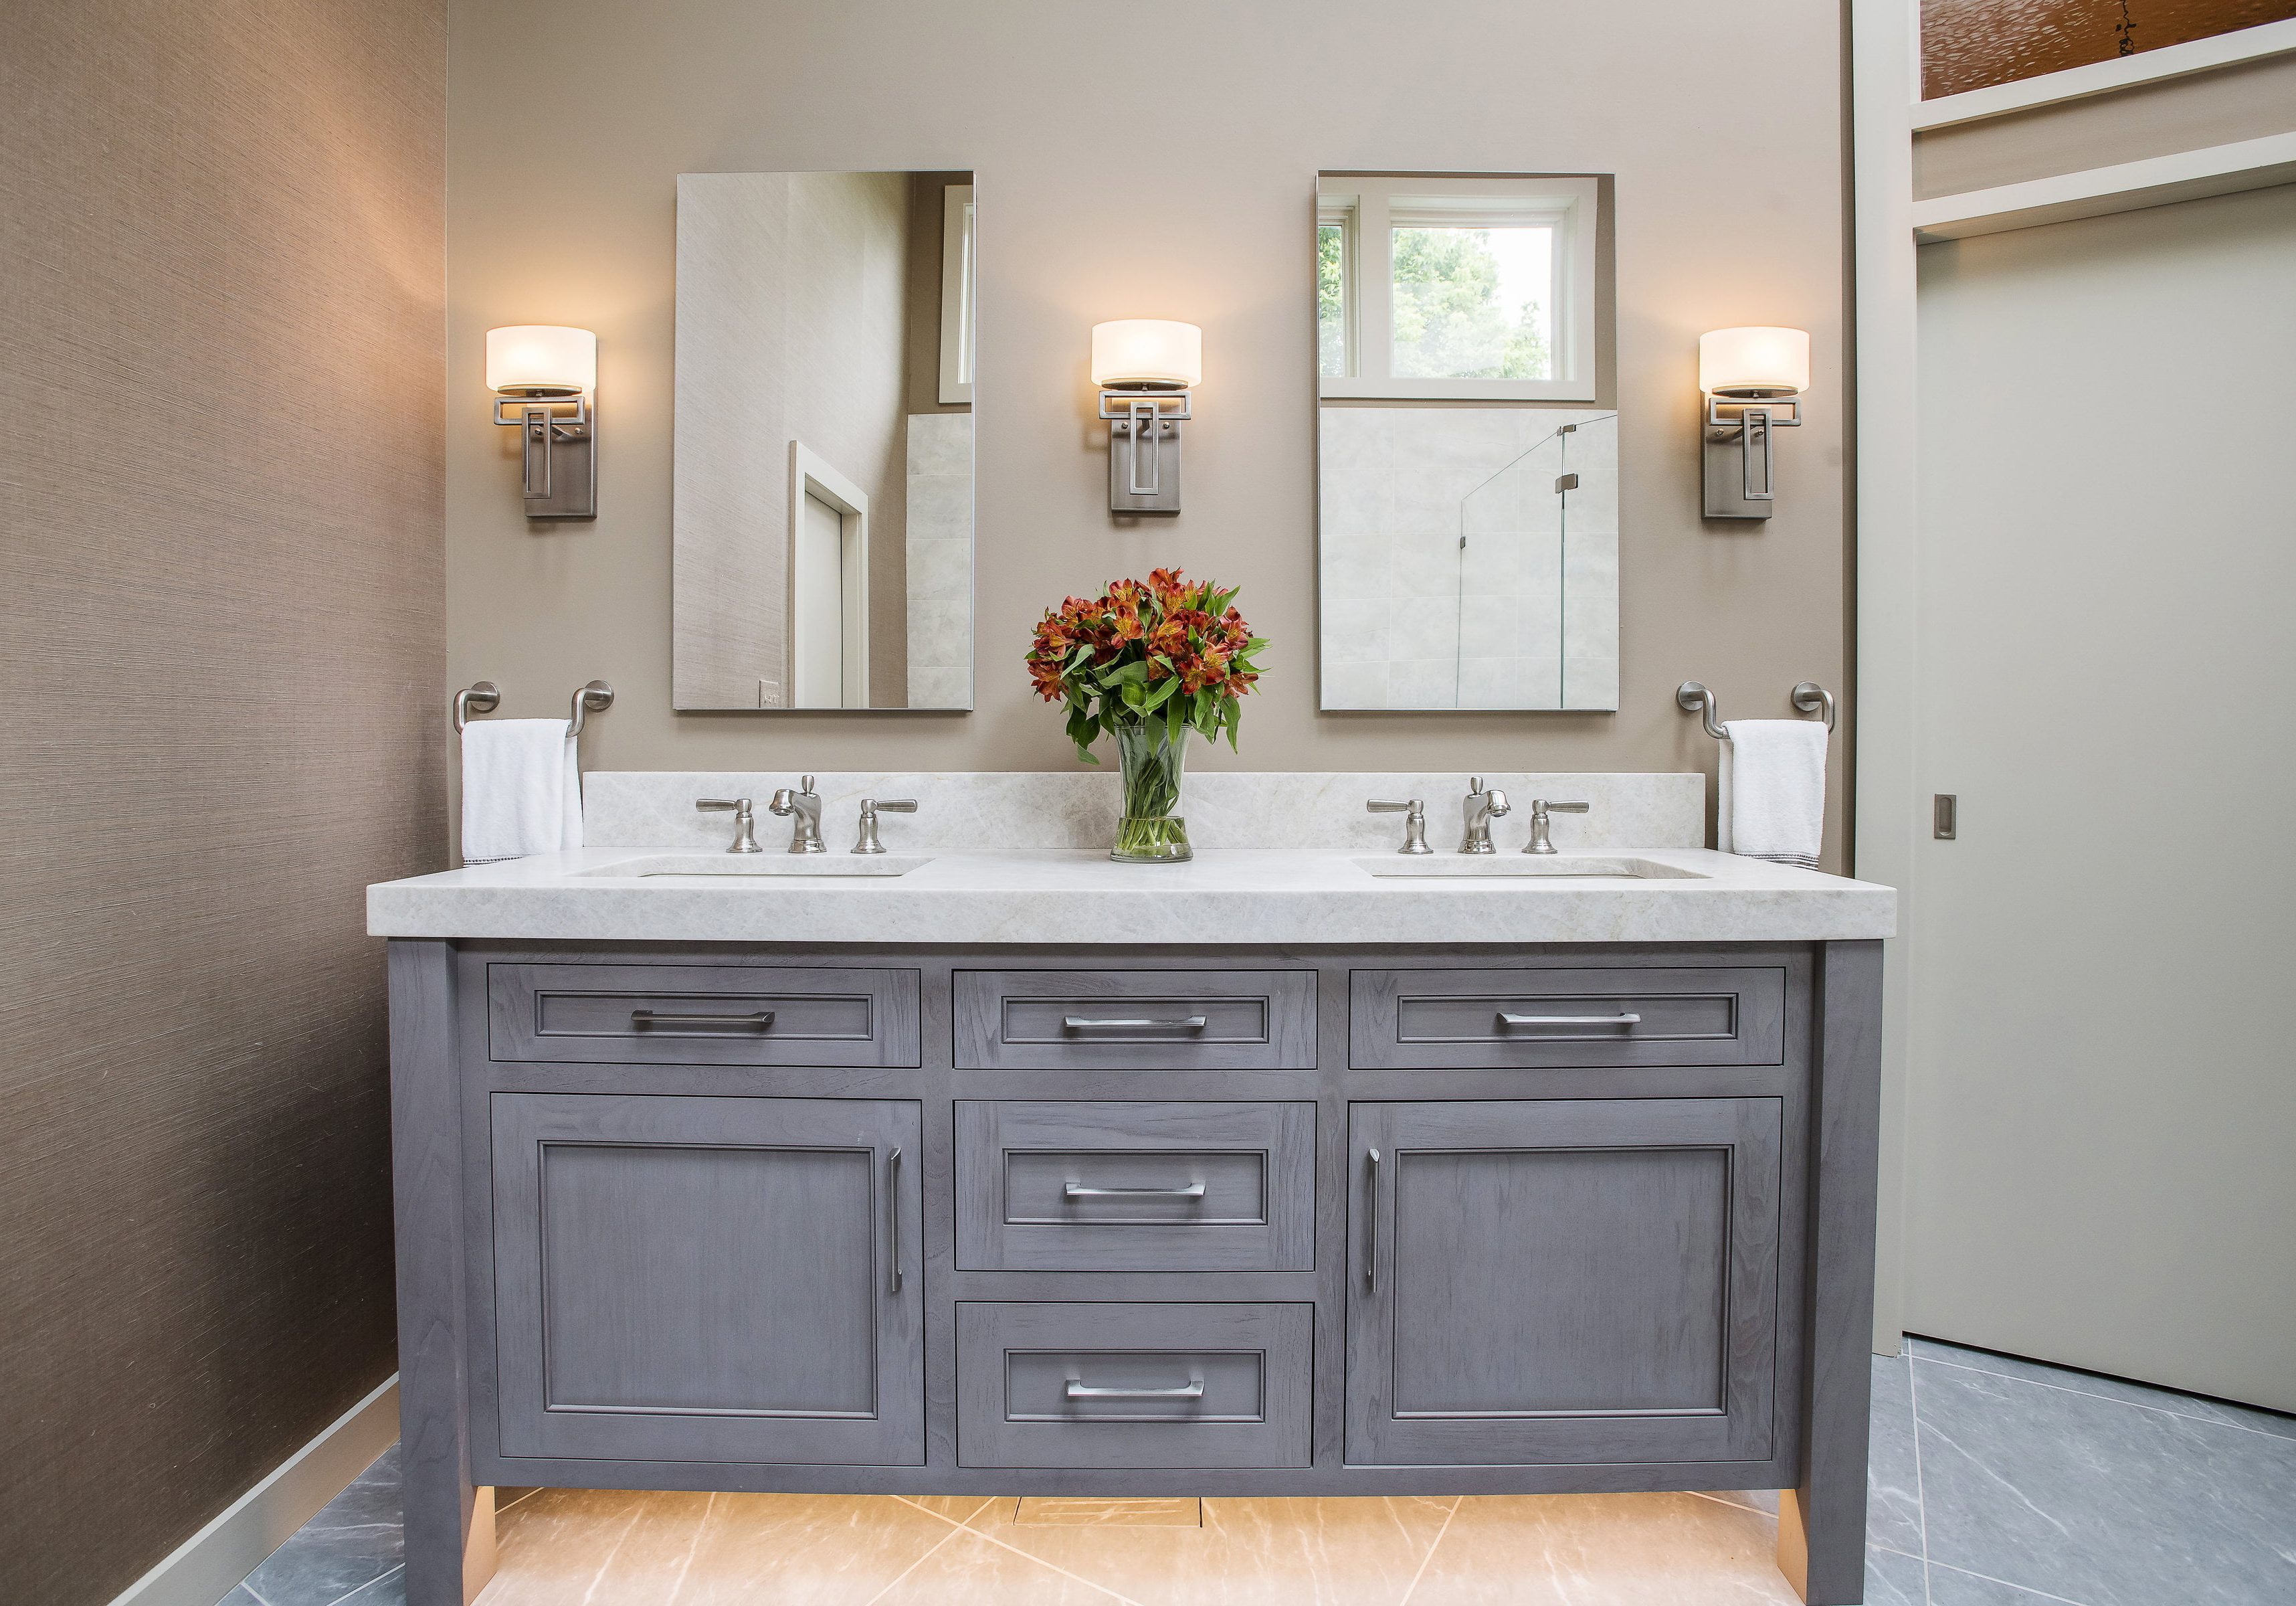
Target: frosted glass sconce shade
1147, 351
1753, 378
1754, 361
541, 360
545, 377
1144, 368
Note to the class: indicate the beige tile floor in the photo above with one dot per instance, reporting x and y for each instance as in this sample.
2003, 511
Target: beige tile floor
571, 1548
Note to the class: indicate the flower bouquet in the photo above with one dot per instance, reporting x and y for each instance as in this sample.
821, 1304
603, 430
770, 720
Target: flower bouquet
1146, 663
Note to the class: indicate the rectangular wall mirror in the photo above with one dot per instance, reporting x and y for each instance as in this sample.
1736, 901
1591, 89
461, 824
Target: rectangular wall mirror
823, 499
1467, 484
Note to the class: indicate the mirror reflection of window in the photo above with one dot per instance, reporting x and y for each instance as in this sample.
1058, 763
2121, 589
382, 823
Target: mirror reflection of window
1463, 288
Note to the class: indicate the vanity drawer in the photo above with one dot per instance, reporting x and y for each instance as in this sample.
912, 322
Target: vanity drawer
1133, 1385
1123, 1187
1214, 1020
702, 1014
1525, 1018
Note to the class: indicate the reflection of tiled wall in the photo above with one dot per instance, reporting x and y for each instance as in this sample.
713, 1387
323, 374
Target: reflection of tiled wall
940, 560
1525, 616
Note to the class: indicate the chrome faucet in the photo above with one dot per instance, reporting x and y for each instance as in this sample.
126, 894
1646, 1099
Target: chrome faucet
1539, 810
805, 806
745, 822
1482, 808
1414, 821
870, 809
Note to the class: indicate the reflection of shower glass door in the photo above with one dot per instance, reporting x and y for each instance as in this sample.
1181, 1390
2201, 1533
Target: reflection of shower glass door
1513, 634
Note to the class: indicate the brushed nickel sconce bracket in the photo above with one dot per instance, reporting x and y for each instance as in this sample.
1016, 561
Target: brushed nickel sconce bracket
559, 451
1743, 483
1144, 449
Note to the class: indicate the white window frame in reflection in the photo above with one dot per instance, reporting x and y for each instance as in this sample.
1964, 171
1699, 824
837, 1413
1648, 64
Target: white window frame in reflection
958, 283
1369, 208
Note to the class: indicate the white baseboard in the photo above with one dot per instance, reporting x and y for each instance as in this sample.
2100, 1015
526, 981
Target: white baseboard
209, 1564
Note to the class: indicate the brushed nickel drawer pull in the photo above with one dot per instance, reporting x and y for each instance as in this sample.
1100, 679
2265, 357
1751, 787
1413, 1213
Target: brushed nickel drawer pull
1505, 1019
893, 1218
756, 1021
1192, 1389
1371, 1221
1079, 1191
1084, 1023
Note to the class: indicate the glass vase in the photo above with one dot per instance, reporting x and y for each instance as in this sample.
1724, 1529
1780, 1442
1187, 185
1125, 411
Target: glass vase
1151, 758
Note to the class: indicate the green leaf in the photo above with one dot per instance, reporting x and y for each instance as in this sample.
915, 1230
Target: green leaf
1162, 694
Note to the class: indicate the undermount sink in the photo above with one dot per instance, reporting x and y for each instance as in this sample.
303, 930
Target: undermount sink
764, 867
1516, 867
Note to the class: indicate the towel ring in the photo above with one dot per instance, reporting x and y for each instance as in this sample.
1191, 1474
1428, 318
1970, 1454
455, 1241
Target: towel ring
486, 696
1809, 697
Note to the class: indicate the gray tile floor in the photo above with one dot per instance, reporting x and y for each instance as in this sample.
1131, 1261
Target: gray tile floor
1995, 1482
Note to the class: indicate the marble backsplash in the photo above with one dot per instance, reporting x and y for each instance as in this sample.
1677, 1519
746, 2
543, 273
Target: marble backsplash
1224, 809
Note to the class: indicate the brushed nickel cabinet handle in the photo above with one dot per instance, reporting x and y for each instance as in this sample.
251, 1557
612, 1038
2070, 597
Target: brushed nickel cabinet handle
1078, 1389
893, 1218
1507, 1019
757, 1020
1086, 1023
1371, 1221
1079, 1191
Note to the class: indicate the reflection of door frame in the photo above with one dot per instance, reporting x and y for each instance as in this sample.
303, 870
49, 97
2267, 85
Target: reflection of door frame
810, 474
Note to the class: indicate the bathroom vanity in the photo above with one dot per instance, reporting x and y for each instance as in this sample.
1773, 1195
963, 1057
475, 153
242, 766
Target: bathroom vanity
1265, 1175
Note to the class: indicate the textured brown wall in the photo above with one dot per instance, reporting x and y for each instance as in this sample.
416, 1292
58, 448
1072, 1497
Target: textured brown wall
221, 640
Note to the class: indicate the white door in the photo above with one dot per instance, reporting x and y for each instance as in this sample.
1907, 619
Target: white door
2101, 1084
820, 604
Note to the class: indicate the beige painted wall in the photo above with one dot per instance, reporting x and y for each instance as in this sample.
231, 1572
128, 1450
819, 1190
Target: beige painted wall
1243, 104
2099, 1099
222, 604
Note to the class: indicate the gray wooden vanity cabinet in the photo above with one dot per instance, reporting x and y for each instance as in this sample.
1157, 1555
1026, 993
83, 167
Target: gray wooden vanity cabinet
1149, 1221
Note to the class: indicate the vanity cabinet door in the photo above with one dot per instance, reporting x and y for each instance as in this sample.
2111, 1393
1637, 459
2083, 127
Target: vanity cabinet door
1563, 1281
684, 1279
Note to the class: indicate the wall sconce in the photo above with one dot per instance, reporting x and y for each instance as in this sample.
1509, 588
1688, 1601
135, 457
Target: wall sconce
1144, 368
547, 378
1748, 375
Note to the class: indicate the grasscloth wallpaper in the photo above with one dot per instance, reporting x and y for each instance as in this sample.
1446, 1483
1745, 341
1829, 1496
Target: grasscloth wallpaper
221, 635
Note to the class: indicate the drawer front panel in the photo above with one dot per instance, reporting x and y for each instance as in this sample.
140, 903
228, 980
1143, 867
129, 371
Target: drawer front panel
702, 1014
1134, 1384
1136, 1019
1083, 1186
1526, 1019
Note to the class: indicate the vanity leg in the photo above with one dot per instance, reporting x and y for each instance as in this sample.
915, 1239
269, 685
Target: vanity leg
449, 1524
1822, 1524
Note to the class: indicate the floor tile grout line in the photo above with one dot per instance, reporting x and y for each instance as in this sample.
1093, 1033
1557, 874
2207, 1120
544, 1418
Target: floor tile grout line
1735, 1505
1921, 1492
514, 1504
966, 1528
931, 1551
2041, 1595
1420, 1572
260, 1601
2090, 1394
370, 1583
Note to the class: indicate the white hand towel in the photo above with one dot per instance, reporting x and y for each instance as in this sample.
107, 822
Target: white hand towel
1773, 790
522, 789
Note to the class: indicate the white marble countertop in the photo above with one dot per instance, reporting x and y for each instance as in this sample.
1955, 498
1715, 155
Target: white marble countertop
1069, 896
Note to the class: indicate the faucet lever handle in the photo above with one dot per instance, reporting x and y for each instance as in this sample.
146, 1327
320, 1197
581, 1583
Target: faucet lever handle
1563, 808
891, 805
1413, 810
719, 805
1394, 805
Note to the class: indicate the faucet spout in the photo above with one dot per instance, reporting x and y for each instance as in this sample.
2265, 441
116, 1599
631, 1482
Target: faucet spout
1482, 807
802, 808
